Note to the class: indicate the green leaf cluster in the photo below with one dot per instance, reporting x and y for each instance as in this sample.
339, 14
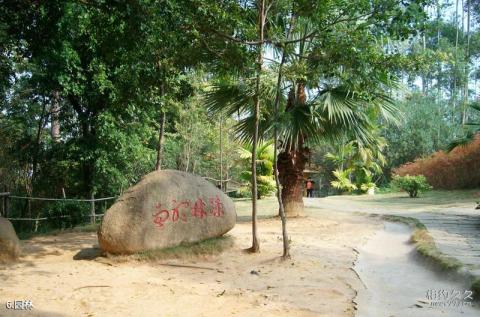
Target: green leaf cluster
413, 185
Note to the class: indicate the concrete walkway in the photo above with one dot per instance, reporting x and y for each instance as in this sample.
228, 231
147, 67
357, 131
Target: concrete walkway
385, 262
454, 224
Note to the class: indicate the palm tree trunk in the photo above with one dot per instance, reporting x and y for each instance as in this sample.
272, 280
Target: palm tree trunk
291, 163
290, 168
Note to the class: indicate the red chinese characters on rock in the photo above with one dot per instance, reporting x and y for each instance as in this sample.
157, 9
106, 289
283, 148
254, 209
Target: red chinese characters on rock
176, 212
197, 210
218, 208
163, 215
160, 216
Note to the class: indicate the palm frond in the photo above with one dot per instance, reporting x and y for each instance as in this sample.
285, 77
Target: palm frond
230, 97
470, 134
463, 141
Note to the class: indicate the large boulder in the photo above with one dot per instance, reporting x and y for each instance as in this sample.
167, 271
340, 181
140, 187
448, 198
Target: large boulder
9, 243
165, 209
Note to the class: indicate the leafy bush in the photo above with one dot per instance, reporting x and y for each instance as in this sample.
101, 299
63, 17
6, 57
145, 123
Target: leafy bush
458, 169
265, 180
367, 186
342, 181
244, 192
67, 214
411, 184
265, 185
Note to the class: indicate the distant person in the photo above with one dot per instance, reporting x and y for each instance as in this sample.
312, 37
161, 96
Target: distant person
309, 186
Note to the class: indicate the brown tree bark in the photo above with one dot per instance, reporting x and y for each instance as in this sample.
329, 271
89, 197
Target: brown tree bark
281, 208
261, 24
221, 154
290, 168
292, 161
161, 136
54, 119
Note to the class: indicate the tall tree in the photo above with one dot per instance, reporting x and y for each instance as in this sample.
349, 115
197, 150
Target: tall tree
329, 64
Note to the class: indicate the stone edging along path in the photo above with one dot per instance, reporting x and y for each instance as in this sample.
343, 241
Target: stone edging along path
446, 227
426, 246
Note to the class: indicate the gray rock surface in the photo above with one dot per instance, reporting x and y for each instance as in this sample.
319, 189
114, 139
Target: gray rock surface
9, 243
165, 209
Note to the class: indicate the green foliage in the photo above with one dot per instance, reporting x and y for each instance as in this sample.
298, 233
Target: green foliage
66, 214
265, 180
471, 131
413, 185
343, 181
417, 136
114, 67
357, 164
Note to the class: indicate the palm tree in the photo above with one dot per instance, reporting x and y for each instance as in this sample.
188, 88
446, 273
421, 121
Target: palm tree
473, 129
331, 114
362, 163
314, 105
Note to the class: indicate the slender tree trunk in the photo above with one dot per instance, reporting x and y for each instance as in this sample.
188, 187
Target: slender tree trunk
54, 117
467, 68
439, 91
281, 207
424, 75
261, 23
41, 124
161, 134
161, 137
221, 153
187, 158
30, 187
454, 94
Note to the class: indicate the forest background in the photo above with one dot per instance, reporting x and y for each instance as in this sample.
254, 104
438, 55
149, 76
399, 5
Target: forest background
96, 94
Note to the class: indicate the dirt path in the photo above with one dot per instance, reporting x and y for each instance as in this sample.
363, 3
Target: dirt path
57, 276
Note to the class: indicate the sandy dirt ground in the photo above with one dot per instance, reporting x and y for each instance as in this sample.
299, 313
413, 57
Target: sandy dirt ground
59, 276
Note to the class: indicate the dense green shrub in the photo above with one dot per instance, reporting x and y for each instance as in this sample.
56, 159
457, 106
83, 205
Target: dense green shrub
342, 181
67, 214
411, 184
